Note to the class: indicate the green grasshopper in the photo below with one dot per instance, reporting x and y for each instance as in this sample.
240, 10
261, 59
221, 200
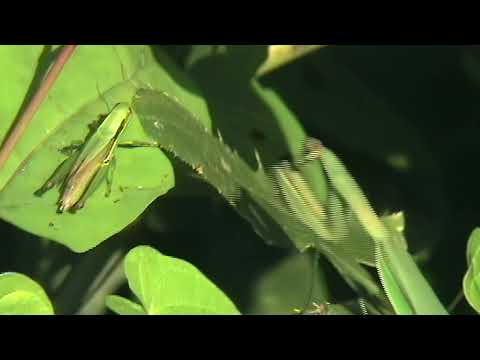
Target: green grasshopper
82, 173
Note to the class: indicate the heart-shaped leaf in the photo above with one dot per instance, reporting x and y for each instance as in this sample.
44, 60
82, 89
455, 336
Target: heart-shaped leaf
19, 295
167, 286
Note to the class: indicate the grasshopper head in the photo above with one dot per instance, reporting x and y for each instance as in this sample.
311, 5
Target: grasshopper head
123, 109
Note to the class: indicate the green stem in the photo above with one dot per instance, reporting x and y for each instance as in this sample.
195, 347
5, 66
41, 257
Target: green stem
456, 301
108, 282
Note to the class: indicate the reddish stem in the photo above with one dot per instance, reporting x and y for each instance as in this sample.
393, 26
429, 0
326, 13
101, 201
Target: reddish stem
34, 104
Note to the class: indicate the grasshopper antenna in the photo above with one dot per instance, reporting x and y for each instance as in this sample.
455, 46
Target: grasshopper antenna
122, 68
140, 65
102, 97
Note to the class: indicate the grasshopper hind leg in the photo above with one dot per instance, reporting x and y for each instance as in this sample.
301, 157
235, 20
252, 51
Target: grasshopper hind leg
135, 144
92, 187
58, 176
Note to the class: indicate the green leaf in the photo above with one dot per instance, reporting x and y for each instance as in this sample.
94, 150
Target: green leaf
19, 295
141, 174
167, 286
175, 128
251, 192
124, 306
471, 281
406, 287
260, 131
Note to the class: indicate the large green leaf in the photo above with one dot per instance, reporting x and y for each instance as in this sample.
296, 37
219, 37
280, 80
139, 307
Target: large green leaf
141, 174
251, 192
471, 281
178, 130
255, 131
19, 295
257, 126
168, 286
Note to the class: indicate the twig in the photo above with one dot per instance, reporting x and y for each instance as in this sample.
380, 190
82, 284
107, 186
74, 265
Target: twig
34, 104
455, 301
107, 282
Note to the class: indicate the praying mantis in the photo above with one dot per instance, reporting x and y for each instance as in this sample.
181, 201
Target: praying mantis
402, 281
